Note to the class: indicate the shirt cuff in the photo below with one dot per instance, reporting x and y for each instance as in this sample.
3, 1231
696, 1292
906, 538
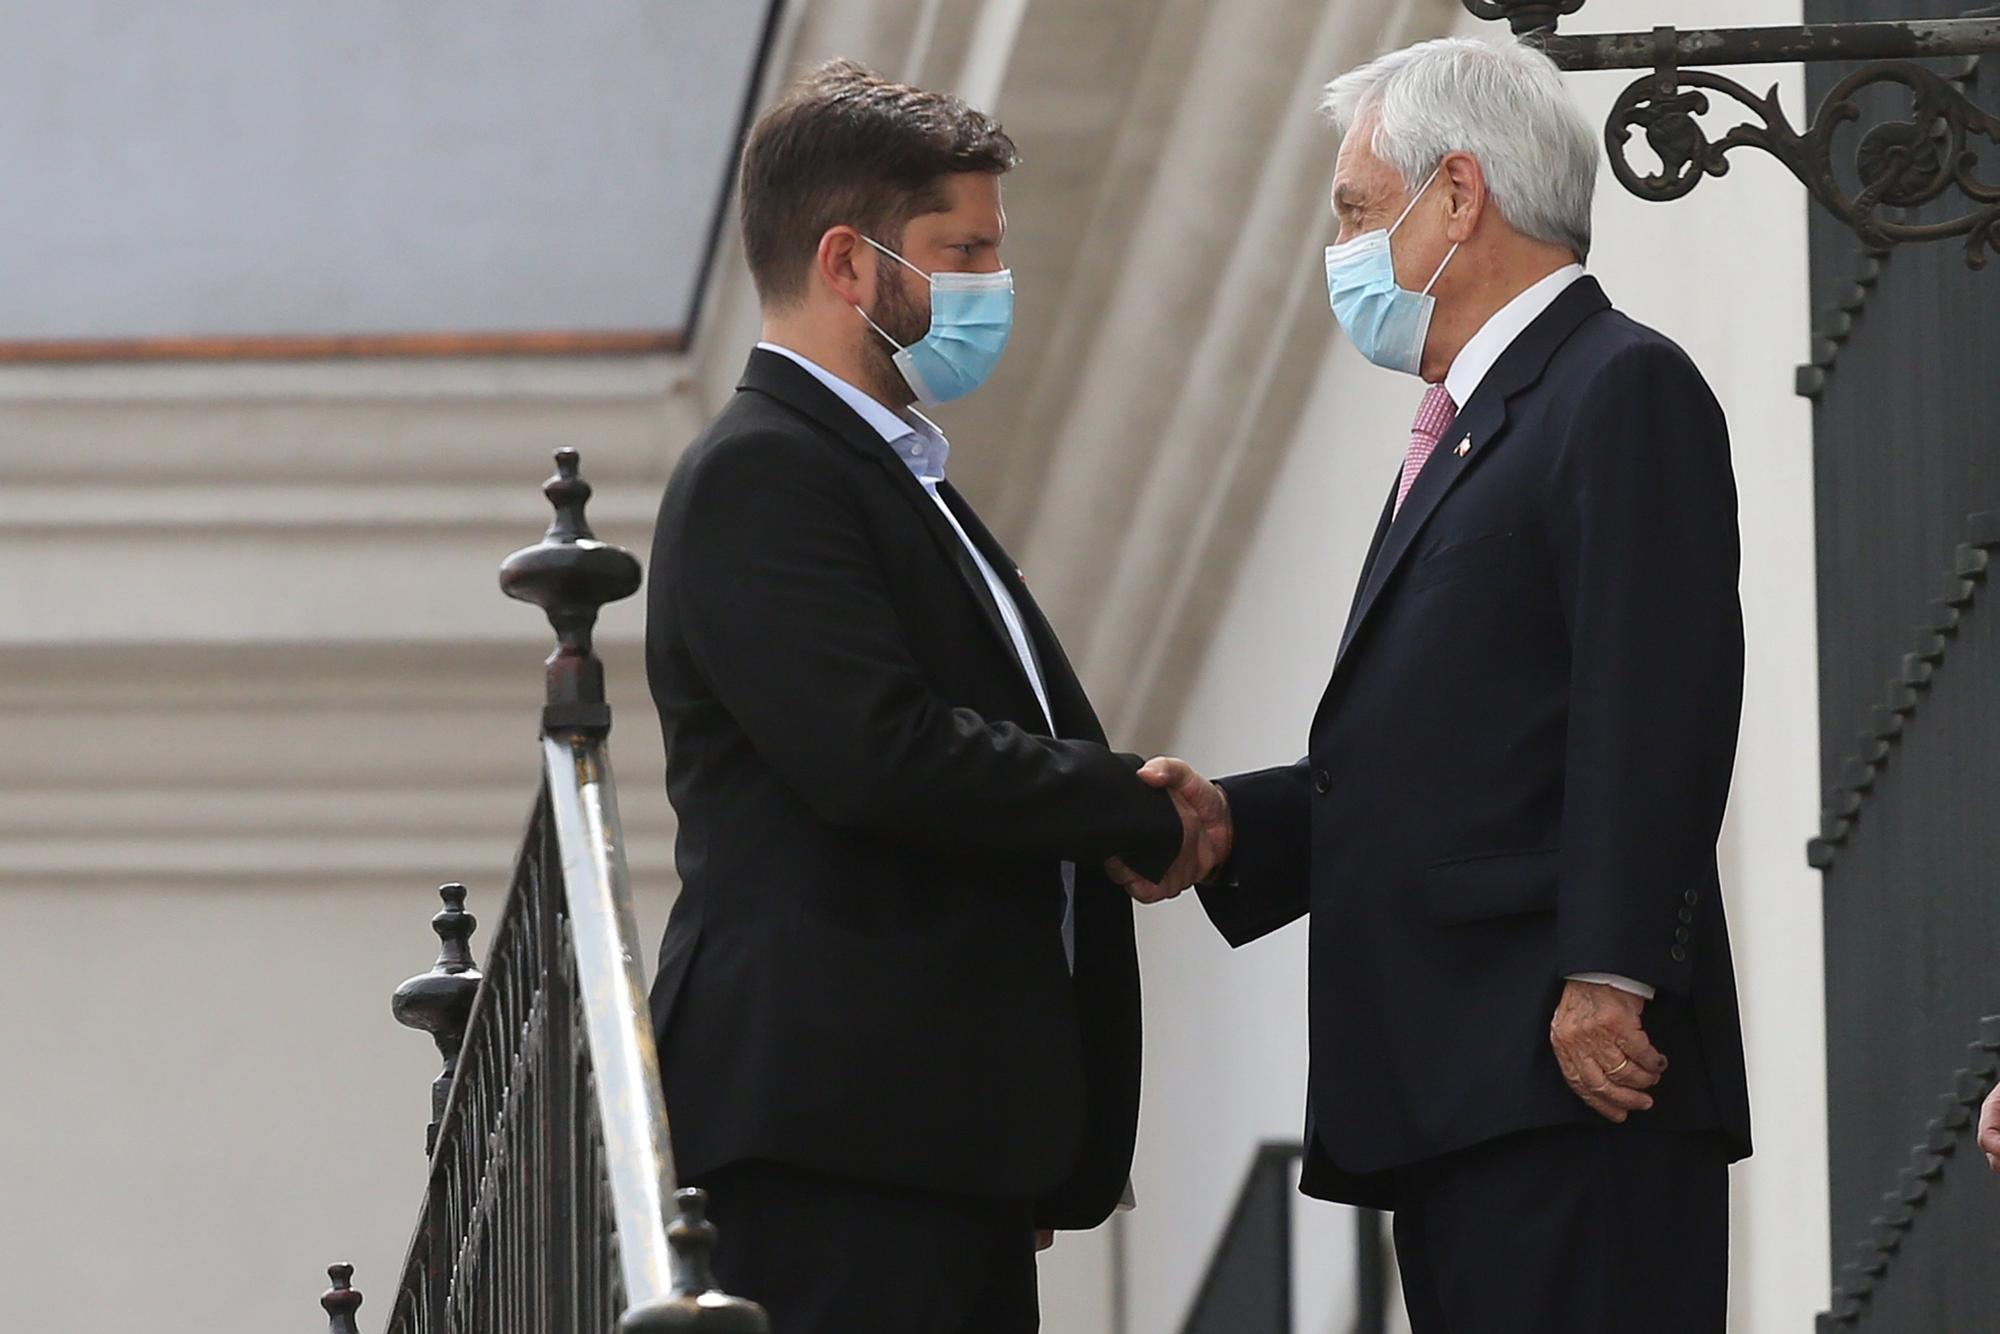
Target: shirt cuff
1639, 989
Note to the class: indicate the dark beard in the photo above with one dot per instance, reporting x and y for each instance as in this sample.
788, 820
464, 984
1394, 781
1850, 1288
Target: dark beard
903, 319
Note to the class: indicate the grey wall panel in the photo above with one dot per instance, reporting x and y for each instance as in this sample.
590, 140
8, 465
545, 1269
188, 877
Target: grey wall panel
248, 167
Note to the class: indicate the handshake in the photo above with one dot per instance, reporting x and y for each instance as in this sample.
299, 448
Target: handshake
1206, 833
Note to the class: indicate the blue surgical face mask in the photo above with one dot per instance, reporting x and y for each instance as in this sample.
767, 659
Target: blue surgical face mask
1387, 322
971, 316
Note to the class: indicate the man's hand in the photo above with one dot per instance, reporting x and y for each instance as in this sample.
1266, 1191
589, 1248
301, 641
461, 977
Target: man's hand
1604, 1053
1207, 832
1989, 1129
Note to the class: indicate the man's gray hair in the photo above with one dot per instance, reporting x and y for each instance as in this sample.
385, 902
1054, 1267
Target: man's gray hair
1504, 104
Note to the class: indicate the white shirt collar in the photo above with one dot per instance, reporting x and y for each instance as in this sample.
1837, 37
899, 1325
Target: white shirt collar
1495, 336
915, 438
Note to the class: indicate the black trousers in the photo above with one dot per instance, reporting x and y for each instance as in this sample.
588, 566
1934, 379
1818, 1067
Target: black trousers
1566, 1230
826, 1255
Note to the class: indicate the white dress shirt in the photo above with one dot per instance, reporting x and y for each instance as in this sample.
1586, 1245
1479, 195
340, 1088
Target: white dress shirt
1499, 332
1474, 360
923, 449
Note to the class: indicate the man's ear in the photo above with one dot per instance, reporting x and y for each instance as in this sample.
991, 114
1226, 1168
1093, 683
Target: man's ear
844, 267
1467, 198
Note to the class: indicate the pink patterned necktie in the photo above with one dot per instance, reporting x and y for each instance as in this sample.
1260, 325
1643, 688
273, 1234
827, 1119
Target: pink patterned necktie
1433, 420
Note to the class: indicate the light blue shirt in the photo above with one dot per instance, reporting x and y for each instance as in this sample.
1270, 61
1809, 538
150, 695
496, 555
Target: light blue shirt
923, 448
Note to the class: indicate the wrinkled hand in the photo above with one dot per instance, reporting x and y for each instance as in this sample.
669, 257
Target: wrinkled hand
1604, 1053
1989, 1129
1207, 832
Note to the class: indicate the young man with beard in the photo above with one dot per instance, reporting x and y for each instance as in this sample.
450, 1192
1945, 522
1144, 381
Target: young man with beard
898, 998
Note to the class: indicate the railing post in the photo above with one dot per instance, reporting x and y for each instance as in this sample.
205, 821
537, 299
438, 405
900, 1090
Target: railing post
570, 575
439, 1002
340, 1301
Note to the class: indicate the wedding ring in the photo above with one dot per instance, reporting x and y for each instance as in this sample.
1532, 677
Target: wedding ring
1616, 1068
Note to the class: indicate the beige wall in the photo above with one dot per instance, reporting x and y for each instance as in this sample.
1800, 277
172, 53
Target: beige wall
264, 696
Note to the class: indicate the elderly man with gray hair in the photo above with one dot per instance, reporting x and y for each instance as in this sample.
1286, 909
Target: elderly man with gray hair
1504, 829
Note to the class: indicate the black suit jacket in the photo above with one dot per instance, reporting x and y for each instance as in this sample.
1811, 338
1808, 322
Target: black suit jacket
864, 972
1519, 767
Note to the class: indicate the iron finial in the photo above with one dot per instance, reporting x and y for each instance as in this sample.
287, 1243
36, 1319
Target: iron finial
569, 574
697, 1306
693, 1238
569, 493
340, 1301
439, 1002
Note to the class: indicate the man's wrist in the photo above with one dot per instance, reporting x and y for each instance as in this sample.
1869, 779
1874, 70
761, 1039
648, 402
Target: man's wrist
1618, 980
1224, 874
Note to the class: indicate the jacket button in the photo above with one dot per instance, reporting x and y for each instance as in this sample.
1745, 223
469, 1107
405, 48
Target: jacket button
1687, 915
1322, 781
1677, 954
1681, 934
1692, 897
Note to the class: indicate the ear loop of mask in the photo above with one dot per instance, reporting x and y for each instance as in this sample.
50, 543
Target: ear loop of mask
913, 269
1407, 210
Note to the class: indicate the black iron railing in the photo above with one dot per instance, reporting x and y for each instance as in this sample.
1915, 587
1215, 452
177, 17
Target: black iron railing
550, 1169
1247, 1288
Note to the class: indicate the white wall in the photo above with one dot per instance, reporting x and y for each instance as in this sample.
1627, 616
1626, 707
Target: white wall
1724, 273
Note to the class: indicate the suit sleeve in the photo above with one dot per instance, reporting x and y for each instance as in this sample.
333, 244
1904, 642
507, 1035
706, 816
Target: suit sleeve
785, 612
1644, 541
1268, 880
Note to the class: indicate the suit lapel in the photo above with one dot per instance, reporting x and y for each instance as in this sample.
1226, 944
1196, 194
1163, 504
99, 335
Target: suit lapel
1073, 715
784, 380
1471, 431
1479, 424
1368, 563
948, 544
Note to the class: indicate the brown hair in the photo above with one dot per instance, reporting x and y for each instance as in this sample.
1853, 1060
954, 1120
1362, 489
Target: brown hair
846, 146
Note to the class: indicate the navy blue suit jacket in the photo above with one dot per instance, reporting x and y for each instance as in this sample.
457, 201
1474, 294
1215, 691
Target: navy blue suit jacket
1519, 767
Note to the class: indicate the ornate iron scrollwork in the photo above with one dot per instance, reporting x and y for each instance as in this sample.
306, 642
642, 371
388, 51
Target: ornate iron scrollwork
1899, 163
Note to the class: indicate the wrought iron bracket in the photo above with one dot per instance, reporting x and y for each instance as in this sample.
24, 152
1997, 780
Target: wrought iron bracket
1930, 153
